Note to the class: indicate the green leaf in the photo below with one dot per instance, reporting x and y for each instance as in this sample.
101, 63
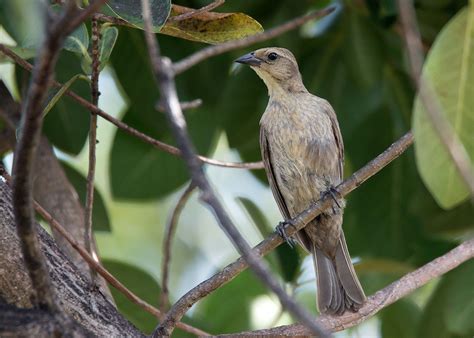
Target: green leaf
211, 27
131, 11
100, 217
140, 283
400, 320
138, 170
67, 124
230, 305
287, 258
24, 21
450, 309
78, 41
109, 37
61, 92
449, 69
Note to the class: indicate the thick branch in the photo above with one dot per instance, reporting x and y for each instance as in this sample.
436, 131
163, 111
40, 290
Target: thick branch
25, 153
89, 307
165, 78
383, 298
125, 127
179, 309
433, 108
211, 51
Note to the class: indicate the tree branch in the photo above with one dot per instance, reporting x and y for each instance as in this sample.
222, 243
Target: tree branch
433, 108
167, 239
125, 127
25, 153
89, 307
89, 204
228, 273
383, 298
194, 12
164, 76
211, 51
96, 266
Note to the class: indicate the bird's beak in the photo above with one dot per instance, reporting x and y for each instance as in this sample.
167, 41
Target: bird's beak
249, 59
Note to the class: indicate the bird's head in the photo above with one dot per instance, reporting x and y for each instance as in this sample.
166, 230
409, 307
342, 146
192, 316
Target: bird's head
277, 67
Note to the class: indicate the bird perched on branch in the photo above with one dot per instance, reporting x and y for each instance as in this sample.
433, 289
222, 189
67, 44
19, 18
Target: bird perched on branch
303, 153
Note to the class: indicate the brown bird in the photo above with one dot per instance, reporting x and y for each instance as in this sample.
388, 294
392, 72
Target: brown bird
303, 153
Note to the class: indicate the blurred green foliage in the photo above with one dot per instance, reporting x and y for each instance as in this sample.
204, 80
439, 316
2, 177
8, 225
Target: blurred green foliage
354, 58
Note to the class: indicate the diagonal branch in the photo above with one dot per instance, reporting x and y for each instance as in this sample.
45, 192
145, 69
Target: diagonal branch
433, 108
179, 309
165, 79
194, 12
125, 127
211, 51
25, 153
383, 298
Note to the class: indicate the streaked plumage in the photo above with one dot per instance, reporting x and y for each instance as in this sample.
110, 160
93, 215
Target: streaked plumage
303, 153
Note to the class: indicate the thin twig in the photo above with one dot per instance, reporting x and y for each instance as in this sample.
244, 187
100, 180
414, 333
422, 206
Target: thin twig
94, 265
88, 240
382, 298
178, 310
25, 154
184, 105
194, 12
434, 110
211, 51
162, 69
167, 240
125, 127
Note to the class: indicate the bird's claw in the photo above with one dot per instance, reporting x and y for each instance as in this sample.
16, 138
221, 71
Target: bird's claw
333, 193
280, 229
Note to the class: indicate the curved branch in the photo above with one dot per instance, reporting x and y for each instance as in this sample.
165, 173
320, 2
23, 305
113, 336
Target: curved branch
169, 232
211, 51
179, 309
25, 153
125, 127
383, 298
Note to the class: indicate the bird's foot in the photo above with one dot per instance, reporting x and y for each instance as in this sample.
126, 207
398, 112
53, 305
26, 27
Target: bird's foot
280, 229
335, 195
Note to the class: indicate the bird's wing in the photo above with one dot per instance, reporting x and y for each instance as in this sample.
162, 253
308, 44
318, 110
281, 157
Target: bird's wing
267, 161
338, 137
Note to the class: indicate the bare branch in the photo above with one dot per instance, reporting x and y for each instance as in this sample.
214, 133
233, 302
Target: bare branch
434, 110
25, 153
383, 298
125, 127
98, 267
211, 51
164, 76
168, 237
194, 12
184, 105
228, 273
88, 239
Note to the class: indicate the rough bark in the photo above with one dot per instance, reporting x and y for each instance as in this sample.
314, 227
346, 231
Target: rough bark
87, 306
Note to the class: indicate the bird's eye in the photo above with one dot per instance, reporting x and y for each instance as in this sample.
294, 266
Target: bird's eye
272, 56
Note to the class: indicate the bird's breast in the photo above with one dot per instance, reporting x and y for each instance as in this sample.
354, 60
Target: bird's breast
303, 153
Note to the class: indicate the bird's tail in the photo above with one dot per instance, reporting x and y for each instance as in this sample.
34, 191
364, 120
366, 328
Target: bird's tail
338, 287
